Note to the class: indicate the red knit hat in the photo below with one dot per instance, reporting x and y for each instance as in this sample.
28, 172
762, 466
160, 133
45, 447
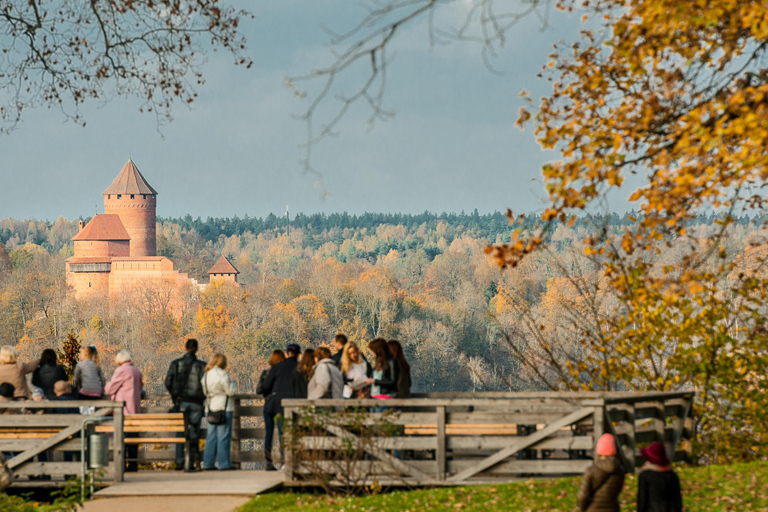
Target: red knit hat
606, 445
655, 454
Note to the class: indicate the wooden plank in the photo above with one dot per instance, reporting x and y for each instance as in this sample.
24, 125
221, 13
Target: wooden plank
21, 445
626, 459
118, 453
385, 443
507, 418
236, 434
154, 423
515, 467
154, 440
142, 429
32, 421
522, 443
161, 416
252, 410
406, 403
54, 404
52, 441
49, 468
457, 444
383, 456
599, 425
440, 451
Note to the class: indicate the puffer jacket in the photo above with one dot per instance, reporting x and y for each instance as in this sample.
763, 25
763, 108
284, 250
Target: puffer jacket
218, 387
658, 490
601, 486
46, 376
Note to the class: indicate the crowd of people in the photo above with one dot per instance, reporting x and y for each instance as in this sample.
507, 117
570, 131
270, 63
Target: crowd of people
198, 388
318, 373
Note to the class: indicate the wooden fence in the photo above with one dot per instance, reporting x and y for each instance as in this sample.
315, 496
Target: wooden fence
26, 433
247, 430
462, 438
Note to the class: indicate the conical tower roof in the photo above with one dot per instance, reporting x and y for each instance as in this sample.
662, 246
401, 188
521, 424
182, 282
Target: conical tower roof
130, 181
223, 266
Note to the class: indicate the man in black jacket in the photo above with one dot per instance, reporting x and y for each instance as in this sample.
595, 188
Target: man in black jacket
339, 341
277, 386
183, 383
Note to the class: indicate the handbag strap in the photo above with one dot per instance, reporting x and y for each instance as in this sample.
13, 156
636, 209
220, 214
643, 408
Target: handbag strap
205, 389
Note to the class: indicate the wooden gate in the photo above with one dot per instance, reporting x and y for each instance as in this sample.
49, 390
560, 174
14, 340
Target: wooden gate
463, 438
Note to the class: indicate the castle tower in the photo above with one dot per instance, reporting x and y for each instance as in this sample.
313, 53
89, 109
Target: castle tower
223, 270
134, 201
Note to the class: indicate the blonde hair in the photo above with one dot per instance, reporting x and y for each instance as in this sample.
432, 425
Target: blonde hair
123, 357
346, 361
219, 360
8, 355
91, 353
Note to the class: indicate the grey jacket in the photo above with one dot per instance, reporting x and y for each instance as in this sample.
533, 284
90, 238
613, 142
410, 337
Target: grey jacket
326, 381
88, 378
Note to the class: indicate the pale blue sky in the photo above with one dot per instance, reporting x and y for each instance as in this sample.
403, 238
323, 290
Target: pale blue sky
452, 145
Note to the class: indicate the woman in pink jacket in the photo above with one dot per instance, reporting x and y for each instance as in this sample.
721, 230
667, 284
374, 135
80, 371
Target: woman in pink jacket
125, 385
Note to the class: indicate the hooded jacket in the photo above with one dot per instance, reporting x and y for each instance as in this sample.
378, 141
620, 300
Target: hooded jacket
601, 486
326, 381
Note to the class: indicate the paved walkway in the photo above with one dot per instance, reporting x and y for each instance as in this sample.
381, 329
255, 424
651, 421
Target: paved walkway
208, 491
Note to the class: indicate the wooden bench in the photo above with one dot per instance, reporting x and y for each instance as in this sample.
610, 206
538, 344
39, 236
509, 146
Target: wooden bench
165, 424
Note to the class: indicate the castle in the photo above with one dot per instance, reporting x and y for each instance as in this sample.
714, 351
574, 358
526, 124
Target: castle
115, 253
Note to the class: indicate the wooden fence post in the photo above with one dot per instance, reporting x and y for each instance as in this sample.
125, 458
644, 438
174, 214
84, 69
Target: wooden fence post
598, 424
236, 434
118, 454
440, 458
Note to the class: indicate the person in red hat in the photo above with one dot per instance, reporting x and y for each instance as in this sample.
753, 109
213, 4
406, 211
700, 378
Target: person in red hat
658, 487
604, 480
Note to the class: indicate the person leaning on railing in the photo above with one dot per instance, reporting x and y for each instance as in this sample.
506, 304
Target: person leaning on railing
14, 371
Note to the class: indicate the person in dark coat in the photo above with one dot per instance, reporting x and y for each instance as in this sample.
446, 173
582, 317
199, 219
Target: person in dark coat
386, 370
278, 385
658, 487
603, 481
339, 341
48, 373
277, 357
183, 382
404, 380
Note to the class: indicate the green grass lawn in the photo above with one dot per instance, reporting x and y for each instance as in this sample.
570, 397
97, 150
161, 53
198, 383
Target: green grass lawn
736, 488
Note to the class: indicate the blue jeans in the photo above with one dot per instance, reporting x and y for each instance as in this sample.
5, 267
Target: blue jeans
193, 417
217, 444
269, 427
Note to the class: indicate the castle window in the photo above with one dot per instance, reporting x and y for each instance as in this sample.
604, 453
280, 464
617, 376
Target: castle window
119, 196
109, 197
143, 196
131, 196
89, 285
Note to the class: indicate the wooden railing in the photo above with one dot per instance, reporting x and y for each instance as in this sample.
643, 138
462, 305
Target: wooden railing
247, 430
27, 430
460, 438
